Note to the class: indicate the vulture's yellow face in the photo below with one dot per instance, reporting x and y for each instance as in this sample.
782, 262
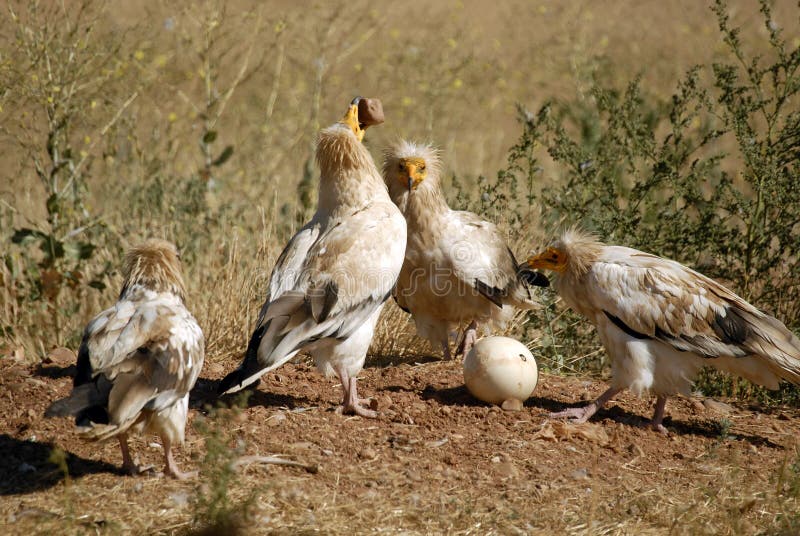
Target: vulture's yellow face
551, 259
411, 172
351, 120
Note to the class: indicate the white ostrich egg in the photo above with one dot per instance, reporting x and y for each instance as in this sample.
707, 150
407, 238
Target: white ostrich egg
497, 369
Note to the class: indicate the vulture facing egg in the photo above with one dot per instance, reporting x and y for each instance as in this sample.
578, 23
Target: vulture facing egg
458, 269
661, 322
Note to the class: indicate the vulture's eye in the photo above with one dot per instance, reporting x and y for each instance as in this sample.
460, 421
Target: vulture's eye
400, 166
422, 167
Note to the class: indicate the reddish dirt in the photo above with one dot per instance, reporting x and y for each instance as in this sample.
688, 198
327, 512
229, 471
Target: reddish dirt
435, 461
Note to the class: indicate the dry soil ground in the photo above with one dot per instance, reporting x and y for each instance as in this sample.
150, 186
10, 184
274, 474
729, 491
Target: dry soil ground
435, 462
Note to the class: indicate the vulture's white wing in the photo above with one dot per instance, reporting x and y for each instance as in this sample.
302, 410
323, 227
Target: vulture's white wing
289, 266
139, 354
479, 257
650, 297
345, 273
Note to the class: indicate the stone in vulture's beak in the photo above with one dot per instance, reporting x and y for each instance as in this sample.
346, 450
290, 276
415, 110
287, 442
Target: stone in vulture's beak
351, 120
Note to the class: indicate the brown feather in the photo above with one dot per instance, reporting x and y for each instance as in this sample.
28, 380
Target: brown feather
154, 264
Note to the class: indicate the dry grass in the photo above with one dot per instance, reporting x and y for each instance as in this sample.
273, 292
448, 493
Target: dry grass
435, 463
263, 81
158, 77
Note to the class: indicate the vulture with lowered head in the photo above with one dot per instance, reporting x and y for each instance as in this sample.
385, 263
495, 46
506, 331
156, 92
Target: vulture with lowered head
458, 269
661, 322
139, 359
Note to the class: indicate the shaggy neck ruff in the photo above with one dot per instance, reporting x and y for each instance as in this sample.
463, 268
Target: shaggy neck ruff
582, 250
426, 204
154, 265
348, 176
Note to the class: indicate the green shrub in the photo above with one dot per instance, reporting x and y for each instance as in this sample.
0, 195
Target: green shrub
215, 510
61, 80
708, 178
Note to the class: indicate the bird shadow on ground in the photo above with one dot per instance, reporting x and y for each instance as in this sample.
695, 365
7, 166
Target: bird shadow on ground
714, 430
205, 395
26, 466
55, 372
709, 428
451, 396
389, 360
397, 389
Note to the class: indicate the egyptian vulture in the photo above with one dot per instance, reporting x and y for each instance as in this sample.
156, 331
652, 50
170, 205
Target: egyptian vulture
458, 269
329, 284
139, 359
661, 322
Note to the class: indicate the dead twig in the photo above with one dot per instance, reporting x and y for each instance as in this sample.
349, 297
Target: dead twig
247, 460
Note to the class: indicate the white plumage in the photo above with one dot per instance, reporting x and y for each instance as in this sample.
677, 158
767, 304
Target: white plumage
661, 322
458, 269
139, 359
329, 284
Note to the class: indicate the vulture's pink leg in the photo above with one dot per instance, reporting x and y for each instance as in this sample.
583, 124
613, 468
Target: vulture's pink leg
351, 403
579, 415
128, 465
170, 467
446, 350
470, 336
658, 415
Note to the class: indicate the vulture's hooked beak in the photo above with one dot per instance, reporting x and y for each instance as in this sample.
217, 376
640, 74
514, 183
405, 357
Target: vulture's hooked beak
550, 259
351, 119
412, 172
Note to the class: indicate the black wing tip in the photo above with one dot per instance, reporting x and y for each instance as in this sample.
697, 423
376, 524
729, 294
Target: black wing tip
250, 358
534, 278
397, 302
489, 292
233, 380
63, 407
230, 381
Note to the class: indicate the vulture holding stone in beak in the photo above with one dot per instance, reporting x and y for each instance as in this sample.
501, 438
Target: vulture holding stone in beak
661, 322
329, 284
458, 269
139, 359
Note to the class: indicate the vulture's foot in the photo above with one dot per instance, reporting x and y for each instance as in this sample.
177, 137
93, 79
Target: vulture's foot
658, 416
358, 409
576, 415
352, 404
177, 474
130, 466
580, 415
170, 467
658, 427
134, 469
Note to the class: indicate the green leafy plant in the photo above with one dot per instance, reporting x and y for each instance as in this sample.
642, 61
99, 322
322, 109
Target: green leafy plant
787, 492
215, 511
708, 178
62, 73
